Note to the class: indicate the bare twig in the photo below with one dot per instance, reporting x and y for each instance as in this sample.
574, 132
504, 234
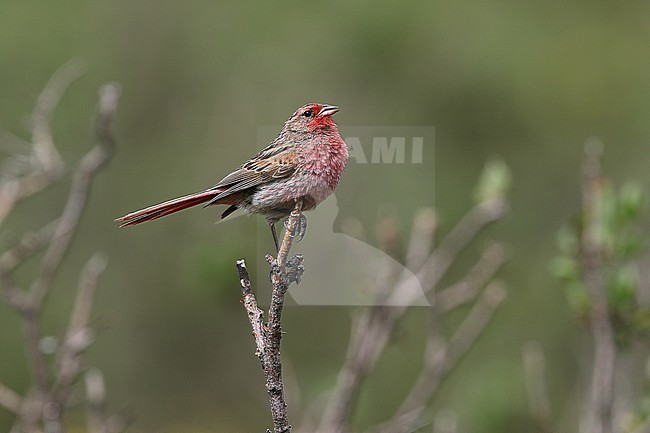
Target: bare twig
372, 328
479, 217
438, 262
65, 228
45, 161
535, 375
42, 407
442, 358
491, 260
96, 418
79, 335
369, 337
27, 246
96, 395
267, 338
255, 314
37, 361
420, 245
90, 165
9, 399
598, 417
44, 149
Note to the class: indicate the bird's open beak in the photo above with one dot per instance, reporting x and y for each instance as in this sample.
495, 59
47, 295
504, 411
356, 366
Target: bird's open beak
328, 110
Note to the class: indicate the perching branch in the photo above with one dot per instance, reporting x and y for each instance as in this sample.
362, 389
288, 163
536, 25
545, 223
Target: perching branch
268, 335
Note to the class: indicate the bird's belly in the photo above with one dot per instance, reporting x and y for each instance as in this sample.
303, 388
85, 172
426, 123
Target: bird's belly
277, 199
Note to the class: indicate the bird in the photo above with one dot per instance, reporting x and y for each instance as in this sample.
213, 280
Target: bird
303, 164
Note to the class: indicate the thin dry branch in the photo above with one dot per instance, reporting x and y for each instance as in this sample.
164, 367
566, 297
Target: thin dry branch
10, 399
45, 162
96, 418
479, 217
437, 264
32, 301
88, 168
268, 336
464, 291
420, 245
372, 328
371, 331
44, 150
255, 313
443, 357
27, 246
598, 416
42, 407
78, 335
535, 376
96, 395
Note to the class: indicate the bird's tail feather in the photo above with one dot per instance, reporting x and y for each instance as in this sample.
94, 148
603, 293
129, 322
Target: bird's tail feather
160, 210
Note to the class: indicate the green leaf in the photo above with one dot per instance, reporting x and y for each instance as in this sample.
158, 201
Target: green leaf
629, 245
622, 288
630, 201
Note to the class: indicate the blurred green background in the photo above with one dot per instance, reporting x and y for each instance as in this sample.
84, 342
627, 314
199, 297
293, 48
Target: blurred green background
526, 81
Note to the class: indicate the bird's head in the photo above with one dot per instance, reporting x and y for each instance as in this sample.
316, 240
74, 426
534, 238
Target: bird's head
312, 117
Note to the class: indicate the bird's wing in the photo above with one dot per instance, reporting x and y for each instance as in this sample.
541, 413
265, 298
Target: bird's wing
272, 163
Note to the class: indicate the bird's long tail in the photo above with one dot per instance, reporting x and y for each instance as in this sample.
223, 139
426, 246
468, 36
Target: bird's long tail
160, 210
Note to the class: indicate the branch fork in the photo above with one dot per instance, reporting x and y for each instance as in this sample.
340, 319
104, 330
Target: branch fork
284, 271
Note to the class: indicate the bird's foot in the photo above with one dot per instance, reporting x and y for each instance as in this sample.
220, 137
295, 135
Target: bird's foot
300, 229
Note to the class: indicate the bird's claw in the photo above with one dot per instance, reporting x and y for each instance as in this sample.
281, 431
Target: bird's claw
300, 229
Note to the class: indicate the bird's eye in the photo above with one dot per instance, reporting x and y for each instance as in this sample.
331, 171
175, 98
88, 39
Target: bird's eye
308, 113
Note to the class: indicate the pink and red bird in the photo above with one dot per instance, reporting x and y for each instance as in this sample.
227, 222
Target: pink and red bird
304, 163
